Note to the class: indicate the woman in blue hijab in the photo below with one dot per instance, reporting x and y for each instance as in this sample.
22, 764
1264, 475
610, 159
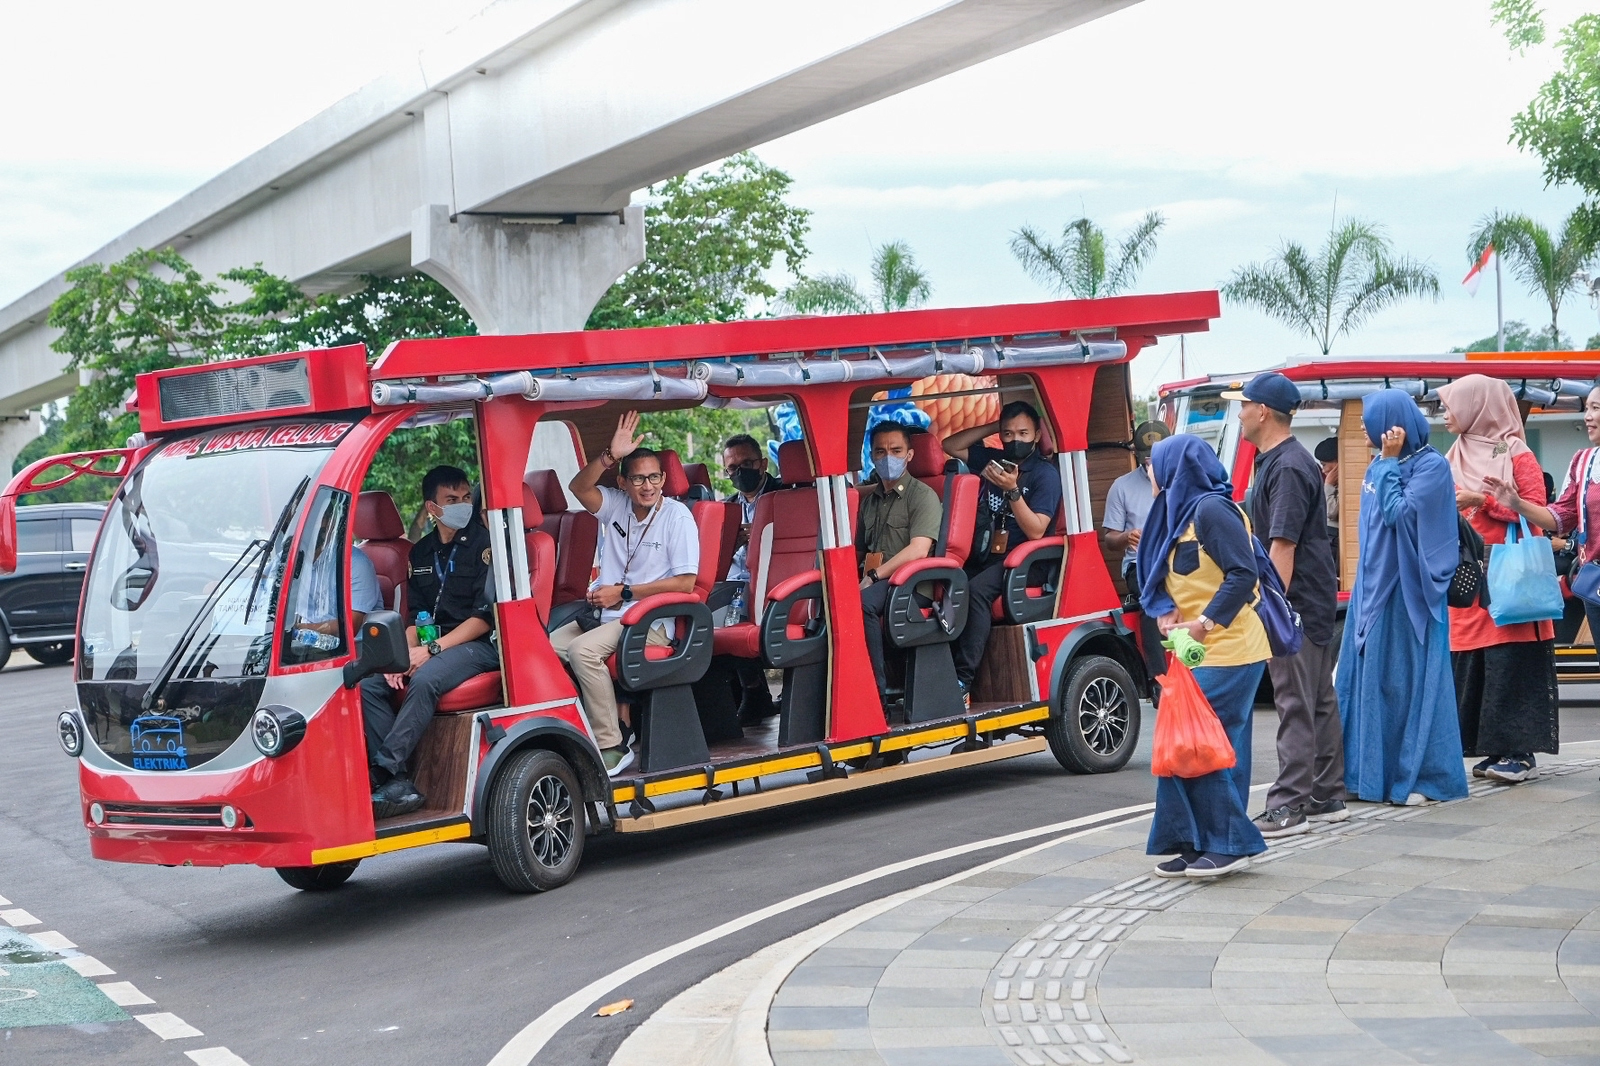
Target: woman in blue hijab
1402, 742
1197, 571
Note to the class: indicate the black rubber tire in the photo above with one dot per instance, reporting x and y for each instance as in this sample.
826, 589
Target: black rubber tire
318, 878
52, 654
5, 646
1095, 726
535, 783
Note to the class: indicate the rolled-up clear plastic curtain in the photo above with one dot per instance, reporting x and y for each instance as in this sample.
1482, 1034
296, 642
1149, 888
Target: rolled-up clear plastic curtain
522, 383
1004, 357
790, 373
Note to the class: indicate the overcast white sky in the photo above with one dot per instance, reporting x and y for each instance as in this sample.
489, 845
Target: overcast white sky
1241, 120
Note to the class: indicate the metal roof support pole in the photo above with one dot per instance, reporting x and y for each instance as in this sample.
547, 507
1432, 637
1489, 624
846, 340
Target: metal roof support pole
519, 275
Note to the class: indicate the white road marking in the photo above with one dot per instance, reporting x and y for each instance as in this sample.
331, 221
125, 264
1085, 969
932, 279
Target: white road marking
4, 902
18, 918
123, 994
89, 966
521, 1048
215, 1056
167, 1026
52, 940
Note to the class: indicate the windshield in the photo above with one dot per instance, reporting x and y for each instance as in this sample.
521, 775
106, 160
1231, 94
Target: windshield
184, 582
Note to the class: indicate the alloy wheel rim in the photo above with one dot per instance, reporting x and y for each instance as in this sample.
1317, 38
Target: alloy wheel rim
551, 821
1103, 716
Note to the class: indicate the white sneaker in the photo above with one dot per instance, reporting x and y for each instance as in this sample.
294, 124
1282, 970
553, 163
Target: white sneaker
617, 759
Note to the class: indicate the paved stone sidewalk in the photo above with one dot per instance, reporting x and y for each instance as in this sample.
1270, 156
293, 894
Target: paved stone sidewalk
1465, 932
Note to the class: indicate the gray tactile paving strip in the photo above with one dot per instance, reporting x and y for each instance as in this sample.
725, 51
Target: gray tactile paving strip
1218, 971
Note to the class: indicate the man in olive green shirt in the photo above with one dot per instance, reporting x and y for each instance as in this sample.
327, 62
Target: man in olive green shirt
900, 519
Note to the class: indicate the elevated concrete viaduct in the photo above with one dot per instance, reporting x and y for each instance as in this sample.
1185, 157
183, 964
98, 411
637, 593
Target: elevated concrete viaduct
503, 160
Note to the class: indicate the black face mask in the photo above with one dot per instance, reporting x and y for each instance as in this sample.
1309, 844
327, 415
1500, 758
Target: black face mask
747, 479
1017, 450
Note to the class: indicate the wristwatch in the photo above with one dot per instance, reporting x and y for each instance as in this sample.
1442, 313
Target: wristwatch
1205, 623
873, 573
627, 593
1013, 495
434, 648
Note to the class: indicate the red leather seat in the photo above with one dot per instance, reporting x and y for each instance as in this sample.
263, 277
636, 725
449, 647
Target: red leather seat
576, 535
378, 524
783, 544
931, 466
1032, 570
473, 694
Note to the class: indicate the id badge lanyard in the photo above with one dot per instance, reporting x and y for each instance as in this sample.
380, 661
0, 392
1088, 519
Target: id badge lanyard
1583, 501
439, 575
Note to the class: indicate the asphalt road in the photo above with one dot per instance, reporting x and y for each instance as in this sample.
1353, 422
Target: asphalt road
422, 958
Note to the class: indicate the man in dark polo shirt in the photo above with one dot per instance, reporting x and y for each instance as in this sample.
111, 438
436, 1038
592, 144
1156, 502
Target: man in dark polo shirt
1289, 513
449, 578
1021, 492
900, 519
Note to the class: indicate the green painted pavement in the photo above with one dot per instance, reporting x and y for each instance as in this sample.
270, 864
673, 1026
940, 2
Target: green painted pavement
37, 987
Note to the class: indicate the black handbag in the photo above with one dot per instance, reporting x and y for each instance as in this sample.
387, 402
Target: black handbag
1469, 584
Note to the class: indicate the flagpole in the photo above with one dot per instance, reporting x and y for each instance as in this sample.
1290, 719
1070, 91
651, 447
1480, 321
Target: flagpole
1499, 308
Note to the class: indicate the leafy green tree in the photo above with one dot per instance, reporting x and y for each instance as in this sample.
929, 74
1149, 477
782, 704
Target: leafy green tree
898, 284
1519, 338
710, 241
1561, 125
1334, 292
1546, 263
1078, 266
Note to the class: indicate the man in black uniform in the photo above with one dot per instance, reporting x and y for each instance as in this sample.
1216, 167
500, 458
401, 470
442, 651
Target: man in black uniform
449, 578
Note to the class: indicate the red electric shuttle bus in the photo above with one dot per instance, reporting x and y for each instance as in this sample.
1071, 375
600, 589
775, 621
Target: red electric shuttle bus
209, 730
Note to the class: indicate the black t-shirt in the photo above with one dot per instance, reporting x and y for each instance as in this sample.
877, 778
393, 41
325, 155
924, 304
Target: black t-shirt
1038, 479
1287, 503
464, 564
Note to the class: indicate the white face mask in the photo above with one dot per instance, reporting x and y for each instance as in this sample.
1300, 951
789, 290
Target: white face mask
455, 515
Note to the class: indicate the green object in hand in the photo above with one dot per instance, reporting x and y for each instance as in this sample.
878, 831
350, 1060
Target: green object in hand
1190, 652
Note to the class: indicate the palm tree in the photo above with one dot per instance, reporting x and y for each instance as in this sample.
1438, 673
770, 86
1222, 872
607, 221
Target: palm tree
898, 285
1077, 266
1547, 264
1350, 279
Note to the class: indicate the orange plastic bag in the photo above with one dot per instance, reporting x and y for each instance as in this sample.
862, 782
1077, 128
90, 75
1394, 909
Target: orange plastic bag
1189, 740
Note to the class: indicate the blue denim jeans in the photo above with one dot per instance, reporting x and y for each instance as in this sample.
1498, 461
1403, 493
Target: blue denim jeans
1211, 813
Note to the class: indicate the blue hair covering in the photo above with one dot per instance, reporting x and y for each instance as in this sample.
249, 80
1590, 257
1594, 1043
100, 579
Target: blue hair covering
1188, 472
1413, 544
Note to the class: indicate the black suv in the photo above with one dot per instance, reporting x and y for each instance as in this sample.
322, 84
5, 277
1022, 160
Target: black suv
39, 602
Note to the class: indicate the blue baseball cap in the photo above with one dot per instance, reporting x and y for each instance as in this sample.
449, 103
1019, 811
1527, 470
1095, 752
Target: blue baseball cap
1272, 389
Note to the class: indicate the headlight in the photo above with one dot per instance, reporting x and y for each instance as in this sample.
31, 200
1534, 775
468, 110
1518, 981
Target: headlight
69, 728
276, 730
97, 814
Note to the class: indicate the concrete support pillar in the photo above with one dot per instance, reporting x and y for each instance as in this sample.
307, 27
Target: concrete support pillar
16, 433
516, 276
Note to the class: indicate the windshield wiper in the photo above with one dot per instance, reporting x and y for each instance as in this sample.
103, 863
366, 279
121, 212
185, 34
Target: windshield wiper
261, 547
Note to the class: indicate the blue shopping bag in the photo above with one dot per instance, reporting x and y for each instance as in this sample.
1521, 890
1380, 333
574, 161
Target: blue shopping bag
1523, 586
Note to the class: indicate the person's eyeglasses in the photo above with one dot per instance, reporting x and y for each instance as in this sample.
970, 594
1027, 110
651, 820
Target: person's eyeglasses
748, 464
645, 479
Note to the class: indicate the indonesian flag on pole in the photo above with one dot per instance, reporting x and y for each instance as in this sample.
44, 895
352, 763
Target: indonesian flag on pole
1475, 275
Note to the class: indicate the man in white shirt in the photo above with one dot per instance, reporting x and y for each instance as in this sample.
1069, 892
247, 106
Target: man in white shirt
649, 545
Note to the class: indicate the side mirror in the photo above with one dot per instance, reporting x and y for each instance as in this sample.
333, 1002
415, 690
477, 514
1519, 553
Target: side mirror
382, 648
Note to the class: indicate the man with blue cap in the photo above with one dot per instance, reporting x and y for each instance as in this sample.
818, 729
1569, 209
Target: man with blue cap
1288, 512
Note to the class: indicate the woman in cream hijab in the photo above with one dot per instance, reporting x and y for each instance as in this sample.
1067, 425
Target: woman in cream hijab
1506, 693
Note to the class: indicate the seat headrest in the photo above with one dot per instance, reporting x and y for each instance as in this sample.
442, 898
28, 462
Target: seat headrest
377, 518
794, 463
546, 485
532, 512
928, 456
698, 475
674, 481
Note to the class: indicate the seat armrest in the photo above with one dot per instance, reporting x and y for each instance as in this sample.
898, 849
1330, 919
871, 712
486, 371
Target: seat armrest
722, 594
1018, 556
909, 571
640, 608
784, 589
562, 613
